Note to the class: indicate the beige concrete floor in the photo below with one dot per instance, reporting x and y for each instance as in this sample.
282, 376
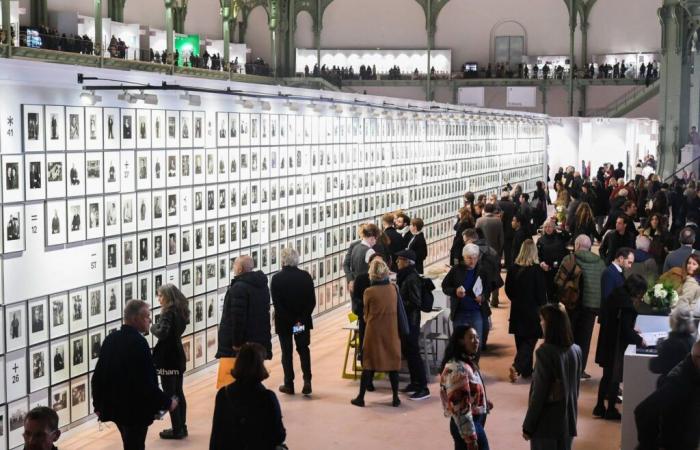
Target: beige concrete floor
327, 420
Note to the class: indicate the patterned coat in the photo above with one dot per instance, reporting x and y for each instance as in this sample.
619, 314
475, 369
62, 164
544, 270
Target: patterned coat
463, 397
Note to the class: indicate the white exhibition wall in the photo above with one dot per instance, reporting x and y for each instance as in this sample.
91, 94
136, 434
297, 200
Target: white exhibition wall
380, 59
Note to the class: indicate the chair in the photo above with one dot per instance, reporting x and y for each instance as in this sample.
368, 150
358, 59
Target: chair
430, 343
354, 344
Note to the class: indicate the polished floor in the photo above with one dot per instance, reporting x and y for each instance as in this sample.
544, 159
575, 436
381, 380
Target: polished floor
327, 420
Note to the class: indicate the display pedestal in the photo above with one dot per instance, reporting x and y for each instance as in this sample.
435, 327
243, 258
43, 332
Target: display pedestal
638, 381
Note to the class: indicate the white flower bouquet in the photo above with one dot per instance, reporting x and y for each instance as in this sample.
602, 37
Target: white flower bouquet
661, 296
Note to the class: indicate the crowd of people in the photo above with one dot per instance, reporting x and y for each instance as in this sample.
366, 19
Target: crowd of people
206, 60
646, 230
51, 39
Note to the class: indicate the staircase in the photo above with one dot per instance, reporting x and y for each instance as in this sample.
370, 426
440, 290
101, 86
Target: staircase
628, 102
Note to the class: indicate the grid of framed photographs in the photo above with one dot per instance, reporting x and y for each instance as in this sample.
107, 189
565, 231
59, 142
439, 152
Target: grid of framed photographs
168, 208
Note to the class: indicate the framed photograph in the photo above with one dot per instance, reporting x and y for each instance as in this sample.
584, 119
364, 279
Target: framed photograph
128, 135
221, 129
35, 179
186, 279
145, 292
78, 358
76, 219
93, 173
78, 313
143, 170
200, 248
233, 129
13, 178
143, 207
95, 223
112, 258
55, 175
128, 289
128, 254
16, 412
33, 128
173, 168
158, 169
199, 313
38, 316
113, 293
158, 255
222, 165
75, 128
144, 245
95, 338
187, 346
173, 207
186, 167
96, 305
13, 220
75, 184
60, 359
59, 402
200, 357
128, 202
158, 128
15, 326
93, 130
112, 215
143, 125
128, 171
111, 176
159, 209
55, 126
39, 367
186, 247
79, 398
186, 132
211, 159
111, 128
199, 280
58, 315
173, 247
172, 137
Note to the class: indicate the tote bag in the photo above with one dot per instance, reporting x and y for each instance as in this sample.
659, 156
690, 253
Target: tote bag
224, 377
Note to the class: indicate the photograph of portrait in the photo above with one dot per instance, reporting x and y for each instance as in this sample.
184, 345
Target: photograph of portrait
14, 228
128, 136
35, 177
112, 257
38, 327
60, 366
172, 138
143, 210
93, 173
143, 126
55, 175
112, 215
75, 169
128, 254
111, 128
113, 305
33, 127
16, 412
93, 128
95, 337
13, 178
55, 126
173, 237
96, 305
75, 128
144, 287
159, 209
173, 207
76, 219
95, 222
144, 255
15, 327
158, 254
78, 358
222, 165
77, 311
157, 128
111, 175
186, 131
39, 367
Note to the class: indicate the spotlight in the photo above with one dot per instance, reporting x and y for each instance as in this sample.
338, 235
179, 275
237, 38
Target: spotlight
337, 108
127, 97
317, 107
150, 99
246, 103
191, 99
265, 105
292, 106
89, 98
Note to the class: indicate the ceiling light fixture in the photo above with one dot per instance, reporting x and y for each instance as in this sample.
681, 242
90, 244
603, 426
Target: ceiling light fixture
89, 98
191, 99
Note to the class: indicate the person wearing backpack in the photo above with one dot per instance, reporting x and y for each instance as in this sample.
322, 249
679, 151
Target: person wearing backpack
246, 414
410, 288
578, 288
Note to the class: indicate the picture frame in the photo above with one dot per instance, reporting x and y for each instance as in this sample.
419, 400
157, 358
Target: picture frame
129, 254
55, 127
12, 178
78, 310
94, 216
96, 305
56, 175
75, 171
59, 402
172, 137
186, 129
144, 251
14, 228
15, 326
143, 128
75, 128
35, 177
159, 208
33, 128
159, 252
112, 175
93, 128
95, 338
94, 183
39, 367
16, 412
111, 128
60, 364
144, 213
112, 251
78, 354
38, 327
112, 215
76, 219
158, 129
128, 171
129, 213
113, 304
173, 248
127, 128
159, 170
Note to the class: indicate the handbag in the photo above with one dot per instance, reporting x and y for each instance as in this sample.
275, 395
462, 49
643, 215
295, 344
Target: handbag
223, 376
404, 328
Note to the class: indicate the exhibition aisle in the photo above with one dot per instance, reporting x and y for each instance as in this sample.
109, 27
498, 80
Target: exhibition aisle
327, 420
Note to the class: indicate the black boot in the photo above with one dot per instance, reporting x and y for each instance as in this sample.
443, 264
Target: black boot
172, 434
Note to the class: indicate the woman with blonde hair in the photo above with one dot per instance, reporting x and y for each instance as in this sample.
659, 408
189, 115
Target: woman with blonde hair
381, 350
526, 289
169, 355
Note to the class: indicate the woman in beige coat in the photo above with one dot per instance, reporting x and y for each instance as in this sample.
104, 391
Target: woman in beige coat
689, 293
381, 349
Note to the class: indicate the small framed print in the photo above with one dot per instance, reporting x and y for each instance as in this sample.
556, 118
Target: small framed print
223, 272
144, 241
113, 258
113, 292
143, 170
186, 138
221, 129
111, 128
198, 207
55, 222
198, 156
199, 282
112, 214
77, 310
93, 128
16, 412
210, 274
39, 367
55, 175
76, 219
15, 327
75, 128
78, 358
111, 176
128, 202
158, 128
158, 170
128, 171
13, 220
159, 209
199, 240
75, 184
158, 256
173, 173
13, 178
211, 172
143, 126
186, 167
212, 344
143, 207
200, 357
128, 254
187, 346
95, 338
185, 206
199, 315
128, 289
172, 137
96, 305
186, 279
198, 126
59, 402
222, 165
38, 326
35, 178
144, 287
186, 247
58, 319
173, 245
93, 173
60, 367
33, 128
128, 136
173, 208
95, 223
233, 129
55, 128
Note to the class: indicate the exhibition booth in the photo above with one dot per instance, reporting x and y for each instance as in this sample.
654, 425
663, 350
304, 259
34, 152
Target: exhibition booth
236, 51
15, 12
72, 23
127, 190
600, 140
384, 60
632, 61
540, 61
156, 40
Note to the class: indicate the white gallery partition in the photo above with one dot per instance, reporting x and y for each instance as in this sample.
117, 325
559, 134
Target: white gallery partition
104, 203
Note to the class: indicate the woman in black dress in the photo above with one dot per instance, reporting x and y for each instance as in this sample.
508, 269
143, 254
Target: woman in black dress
169, 355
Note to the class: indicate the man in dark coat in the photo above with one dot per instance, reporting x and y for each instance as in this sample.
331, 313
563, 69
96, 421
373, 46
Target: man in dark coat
124, 385
294, 299
396, 241
246, 313
614, 240
416, 243
508, 210
613, 275
669, 417
520, 235
411, 289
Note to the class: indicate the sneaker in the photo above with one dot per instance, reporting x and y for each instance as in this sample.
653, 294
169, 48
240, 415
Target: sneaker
358, 402
170, 434
306, 390
285, 389
599, 411
410, 388
612, 414
585, 376
421, 394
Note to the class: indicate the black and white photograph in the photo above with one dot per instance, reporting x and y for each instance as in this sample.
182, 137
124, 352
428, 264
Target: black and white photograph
159, 209
95, 338
173, 247
186, 176
186, 132
76, 219
55, 175
172, 138
144, 256
13, 222
96, 305
95, 222
222, 129
112, 266
186, 279
39, 370
233, 130
33, 128
157, 128
13, 178
111, 128
128, 203
200, 357
93, 173
77, 310
143, 170
199, 317
78, 358
128, 136
128, 256
79, 407
113, 306
58, 310
144, 287
15, 327
16, 412
173, 208
75, 128
38, 326
186, 248
75, 182
59, 402
198, 126
93, 128
143, 136
158, 169
143, 208
55, 126
111, 175
112, 215
173, 168
35, 177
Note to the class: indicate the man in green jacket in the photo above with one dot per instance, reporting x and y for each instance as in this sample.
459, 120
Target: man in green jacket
583, 317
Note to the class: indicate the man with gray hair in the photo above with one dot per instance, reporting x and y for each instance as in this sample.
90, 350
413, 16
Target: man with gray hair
644, 263
246, 313
583, 315
294, 299
125, 385
677, 258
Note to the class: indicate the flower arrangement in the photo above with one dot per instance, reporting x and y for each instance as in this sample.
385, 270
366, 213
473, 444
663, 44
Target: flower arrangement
661, 296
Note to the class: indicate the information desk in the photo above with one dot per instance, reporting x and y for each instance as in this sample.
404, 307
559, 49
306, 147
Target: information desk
638, 380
